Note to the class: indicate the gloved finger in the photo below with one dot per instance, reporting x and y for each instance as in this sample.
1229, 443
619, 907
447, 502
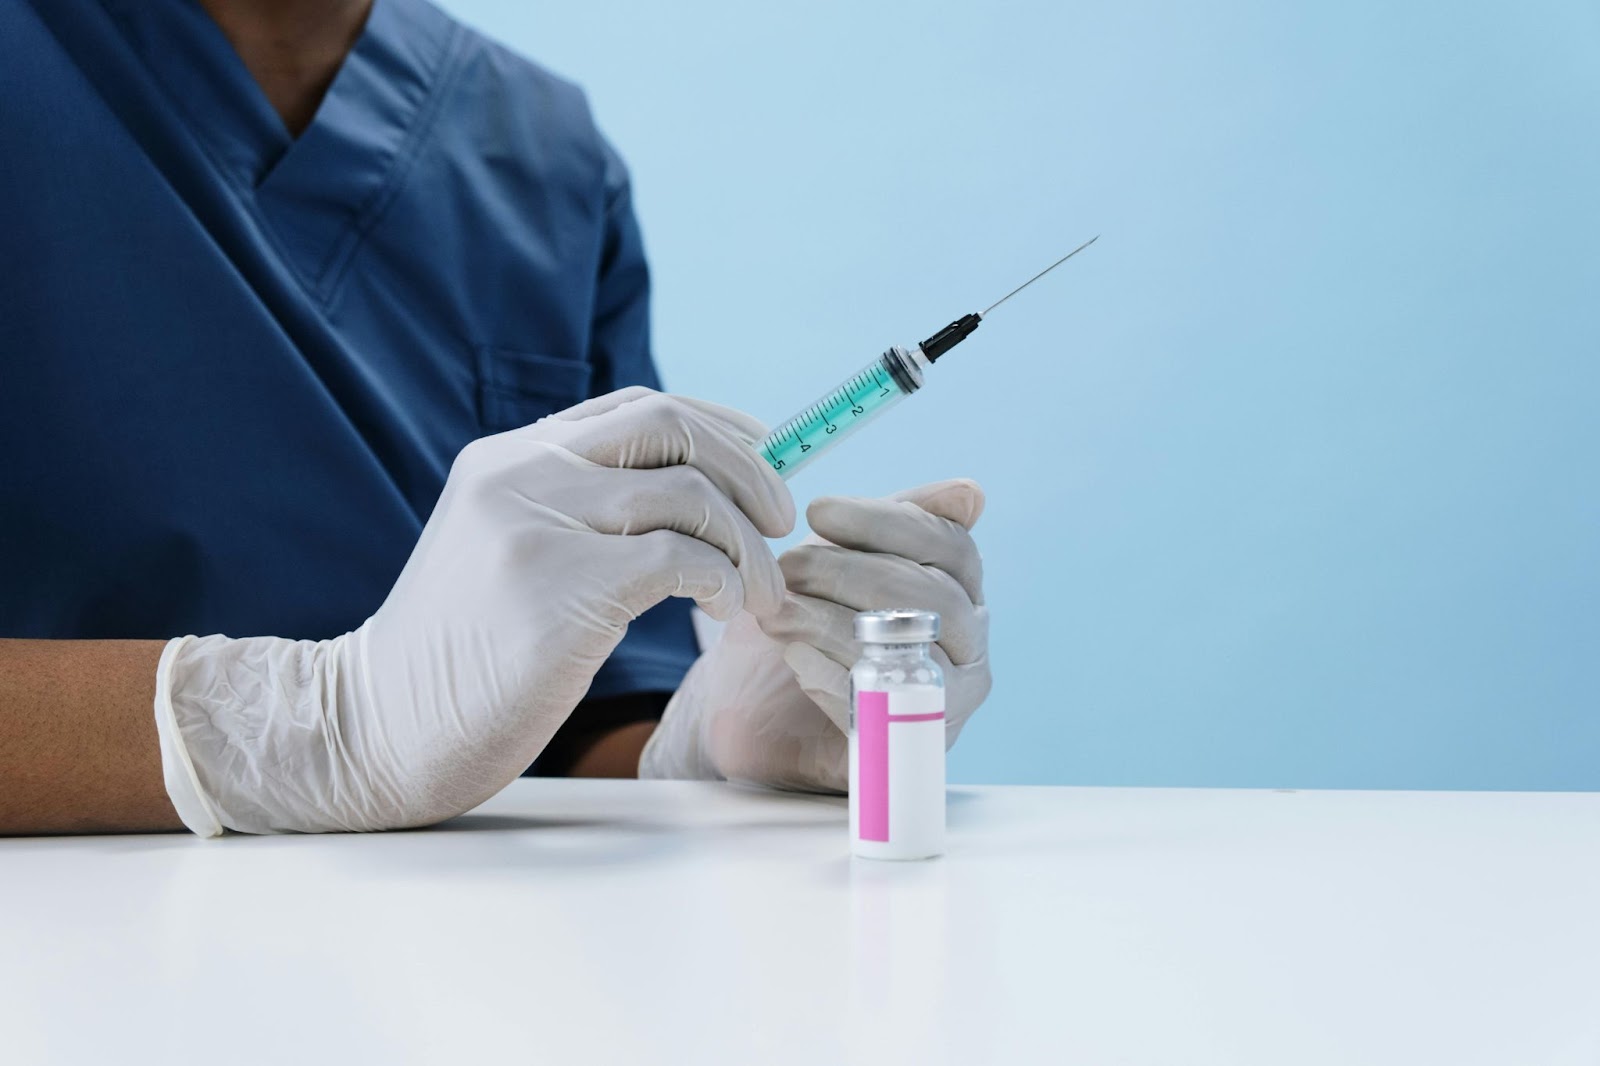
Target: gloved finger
903, 528
966, 687
825, 626
959, 499
825, 681
655, 430
865, 581
652, 566
599, 405
627, 502
747, 426
647, 430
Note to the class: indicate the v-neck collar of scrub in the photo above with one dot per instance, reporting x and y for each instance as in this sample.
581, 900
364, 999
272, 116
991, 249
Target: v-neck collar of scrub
321, 191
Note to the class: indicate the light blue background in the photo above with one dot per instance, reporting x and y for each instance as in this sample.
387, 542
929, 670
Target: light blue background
1297, 481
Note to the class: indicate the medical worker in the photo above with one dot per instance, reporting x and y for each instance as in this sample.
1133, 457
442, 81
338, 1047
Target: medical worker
324, 326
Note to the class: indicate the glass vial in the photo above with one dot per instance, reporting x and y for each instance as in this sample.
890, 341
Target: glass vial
896, 738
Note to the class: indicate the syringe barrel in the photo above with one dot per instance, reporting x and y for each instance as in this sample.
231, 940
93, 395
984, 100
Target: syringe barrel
843, 410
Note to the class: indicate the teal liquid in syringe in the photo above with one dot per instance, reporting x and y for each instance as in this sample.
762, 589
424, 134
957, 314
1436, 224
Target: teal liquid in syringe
872, 390
878, 386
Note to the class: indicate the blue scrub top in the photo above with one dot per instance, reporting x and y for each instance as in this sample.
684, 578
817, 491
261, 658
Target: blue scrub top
235, 366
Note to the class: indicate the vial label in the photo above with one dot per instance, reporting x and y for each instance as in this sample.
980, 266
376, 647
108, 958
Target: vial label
897, 772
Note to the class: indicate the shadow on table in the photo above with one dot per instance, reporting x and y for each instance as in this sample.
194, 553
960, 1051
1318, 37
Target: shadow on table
577, 845
478, 823
108, 843
958, 804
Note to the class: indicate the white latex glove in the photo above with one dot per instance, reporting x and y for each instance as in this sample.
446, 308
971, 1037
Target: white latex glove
770, 702
546, 542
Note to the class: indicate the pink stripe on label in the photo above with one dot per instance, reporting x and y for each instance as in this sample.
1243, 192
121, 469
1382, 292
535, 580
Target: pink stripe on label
934, 717
872, 765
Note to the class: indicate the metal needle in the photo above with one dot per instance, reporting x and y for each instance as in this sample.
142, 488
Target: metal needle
1039, 275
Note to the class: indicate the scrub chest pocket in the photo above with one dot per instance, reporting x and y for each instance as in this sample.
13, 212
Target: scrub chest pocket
516, 388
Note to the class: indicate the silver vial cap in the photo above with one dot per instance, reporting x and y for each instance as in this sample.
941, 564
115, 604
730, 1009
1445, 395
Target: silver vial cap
898, 626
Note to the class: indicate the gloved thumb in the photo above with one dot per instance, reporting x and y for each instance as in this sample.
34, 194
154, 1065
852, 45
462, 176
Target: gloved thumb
958, 499
825, 681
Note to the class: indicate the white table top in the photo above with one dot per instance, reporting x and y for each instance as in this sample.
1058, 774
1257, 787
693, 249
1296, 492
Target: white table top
571, 921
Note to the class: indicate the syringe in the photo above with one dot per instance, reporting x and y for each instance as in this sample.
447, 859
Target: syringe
872, 390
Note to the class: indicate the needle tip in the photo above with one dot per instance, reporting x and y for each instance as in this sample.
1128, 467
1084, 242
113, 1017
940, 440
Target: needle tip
1037, 276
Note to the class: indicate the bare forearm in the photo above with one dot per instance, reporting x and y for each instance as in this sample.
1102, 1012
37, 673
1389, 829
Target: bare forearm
614, 753
78, 747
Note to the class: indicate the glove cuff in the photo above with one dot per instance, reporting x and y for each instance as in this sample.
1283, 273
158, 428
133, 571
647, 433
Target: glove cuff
251, 738
193, 804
